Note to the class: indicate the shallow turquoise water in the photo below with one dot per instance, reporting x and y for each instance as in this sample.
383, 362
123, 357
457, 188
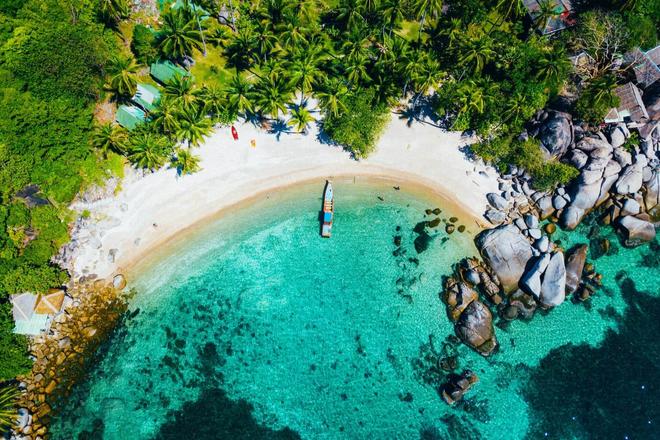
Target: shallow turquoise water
257, 328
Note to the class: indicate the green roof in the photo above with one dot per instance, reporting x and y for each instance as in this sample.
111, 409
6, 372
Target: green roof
147, 96
129, 116
180, 4
164, 71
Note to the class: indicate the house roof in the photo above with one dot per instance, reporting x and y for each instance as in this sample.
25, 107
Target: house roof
646, 66
630, 105
165, 71
562, 7
146, 96
26, 320
130, 116
50, 303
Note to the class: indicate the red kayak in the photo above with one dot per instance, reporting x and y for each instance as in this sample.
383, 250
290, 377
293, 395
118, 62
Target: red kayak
234, 133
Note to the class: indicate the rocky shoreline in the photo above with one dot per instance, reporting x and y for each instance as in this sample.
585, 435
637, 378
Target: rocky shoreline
522, 269
63, 356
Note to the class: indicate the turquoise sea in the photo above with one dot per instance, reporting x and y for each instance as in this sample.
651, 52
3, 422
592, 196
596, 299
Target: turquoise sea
254, 327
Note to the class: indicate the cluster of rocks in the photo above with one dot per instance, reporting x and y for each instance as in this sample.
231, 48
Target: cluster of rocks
61, 357
473, 320
457, 385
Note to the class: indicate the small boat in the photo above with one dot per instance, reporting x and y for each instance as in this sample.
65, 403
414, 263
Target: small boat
328, 210
234, 133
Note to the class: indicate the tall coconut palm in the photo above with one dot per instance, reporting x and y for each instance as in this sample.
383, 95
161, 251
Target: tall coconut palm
349, 12
239, 94
241, 51
266, 41
113, 11
300, 119
109, 138
393, 13
272, 94
426, 8
511, 9
305, 71
356, 70
165, 117
193, 127
213, 100
179, 35
332, 96
185, 162
547, 11
8, 411
149, 150
181, 91
292, 35
553, 66
122, 79
477, 52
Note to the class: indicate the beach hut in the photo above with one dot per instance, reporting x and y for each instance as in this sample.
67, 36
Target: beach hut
631, 109
165, 71
130, 116
561, 20
147, 97
646, 66
33, 313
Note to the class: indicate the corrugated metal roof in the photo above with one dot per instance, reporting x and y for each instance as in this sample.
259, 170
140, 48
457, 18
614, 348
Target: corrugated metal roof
165, 71
147, 96
130, 116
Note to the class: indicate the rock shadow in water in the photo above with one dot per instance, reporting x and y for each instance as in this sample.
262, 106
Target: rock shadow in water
214, 416
609, 391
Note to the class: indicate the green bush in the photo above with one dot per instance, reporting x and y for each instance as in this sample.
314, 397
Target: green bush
14, 359
143, 45
360, 126
504, 152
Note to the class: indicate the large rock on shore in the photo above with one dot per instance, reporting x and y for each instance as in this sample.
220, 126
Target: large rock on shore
630, 180
556, 134
635, 230
507, 251
531, 279
575, 260
458, 297
475, 328
553, 288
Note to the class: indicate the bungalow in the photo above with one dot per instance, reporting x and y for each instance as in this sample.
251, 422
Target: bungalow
147, 97
33, 313
646, 66
130, 116
561, 19
165, 71
631, 109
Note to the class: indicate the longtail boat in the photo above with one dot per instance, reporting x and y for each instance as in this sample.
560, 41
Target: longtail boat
328, 210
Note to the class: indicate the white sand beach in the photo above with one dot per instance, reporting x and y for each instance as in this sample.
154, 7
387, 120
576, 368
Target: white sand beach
121, 227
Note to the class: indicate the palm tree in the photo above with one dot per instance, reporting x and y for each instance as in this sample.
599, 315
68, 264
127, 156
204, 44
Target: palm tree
8, 414
109, 138
293, 35
193, 126
478, 52
181, 91
332, 95
123, 76
356, 70
515, 109
427, 7
214, 100
547, 11
300, 119
266, 41
272, 93
239, 94
113, 11
348, 11
149, 150
305, 71
553, 65
393, 13
179, 35
165, 117
241, 51
185, 162
511, 9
